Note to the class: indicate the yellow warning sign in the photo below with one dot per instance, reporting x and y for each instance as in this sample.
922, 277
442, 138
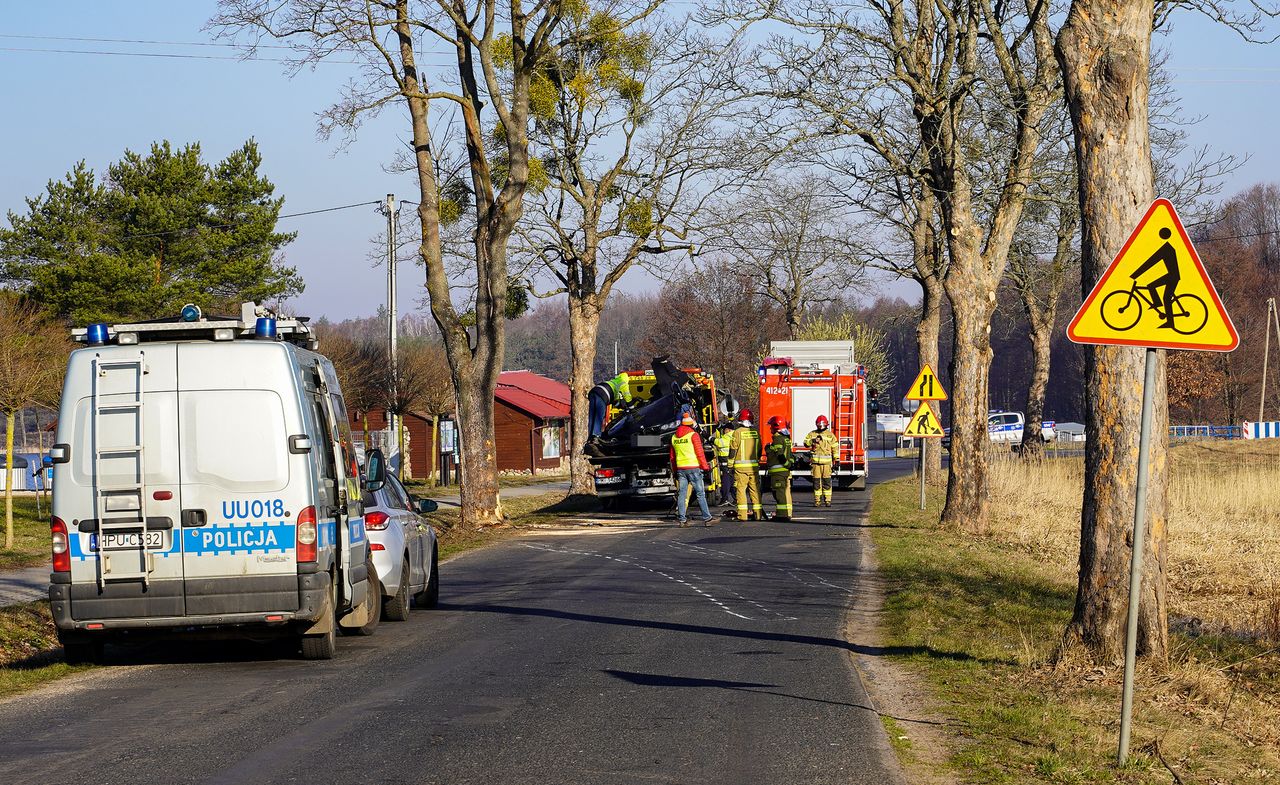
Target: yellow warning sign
1156, 293
924, 423
926, 387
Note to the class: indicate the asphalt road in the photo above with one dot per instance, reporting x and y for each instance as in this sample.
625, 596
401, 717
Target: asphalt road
643, 655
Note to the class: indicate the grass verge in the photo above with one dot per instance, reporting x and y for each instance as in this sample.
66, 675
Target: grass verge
522, 513
427, 490
29, 651
30, 534
980, 618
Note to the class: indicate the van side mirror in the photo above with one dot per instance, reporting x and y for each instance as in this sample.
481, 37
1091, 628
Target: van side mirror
426, 506
375, 471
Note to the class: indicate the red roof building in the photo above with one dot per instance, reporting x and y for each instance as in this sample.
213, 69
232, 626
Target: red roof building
531, 422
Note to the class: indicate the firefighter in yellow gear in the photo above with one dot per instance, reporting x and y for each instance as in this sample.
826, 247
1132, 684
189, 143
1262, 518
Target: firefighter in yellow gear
824, 449
778, 459
724, 434
744, 454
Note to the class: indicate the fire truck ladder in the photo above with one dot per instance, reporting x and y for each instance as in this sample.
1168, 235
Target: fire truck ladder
120, 506
846, 419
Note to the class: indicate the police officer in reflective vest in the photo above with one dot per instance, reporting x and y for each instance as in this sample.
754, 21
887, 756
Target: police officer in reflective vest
744, 453
778, 459
824, 447
721, 441
689, 462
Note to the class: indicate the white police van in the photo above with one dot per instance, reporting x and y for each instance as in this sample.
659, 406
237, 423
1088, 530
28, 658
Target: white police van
1007, 428
204, 479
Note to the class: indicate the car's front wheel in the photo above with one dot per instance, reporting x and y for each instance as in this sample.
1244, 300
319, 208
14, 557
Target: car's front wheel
429, 597
396, 608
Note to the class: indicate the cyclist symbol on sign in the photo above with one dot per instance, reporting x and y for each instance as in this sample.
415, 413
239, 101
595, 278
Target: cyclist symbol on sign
1165, 253
1182, 313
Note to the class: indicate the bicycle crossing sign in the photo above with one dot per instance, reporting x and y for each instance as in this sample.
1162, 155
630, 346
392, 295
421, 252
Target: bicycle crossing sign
1156, 293
926, 387
924, 423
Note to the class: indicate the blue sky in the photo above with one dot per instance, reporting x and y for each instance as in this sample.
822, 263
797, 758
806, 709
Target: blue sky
62, 107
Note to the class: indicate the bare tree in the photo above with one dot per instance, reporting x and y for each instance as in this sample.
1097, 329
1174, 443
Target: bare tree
630, 138
714, 317
858, 64
389, 39
33, 357
1110, 113
787, 234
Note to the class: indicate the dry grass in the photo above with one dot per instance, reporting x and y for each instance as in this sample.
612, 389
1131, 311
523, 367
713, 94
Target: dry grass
981, 618
1224, 573
1224, 529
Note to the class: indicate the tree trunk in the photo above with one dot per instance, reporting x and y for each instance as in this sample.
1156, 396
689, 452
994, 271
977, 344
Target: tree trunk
1104, 49
584, 325
8, 480
967, 500
1041, 335
927, 334
478, 487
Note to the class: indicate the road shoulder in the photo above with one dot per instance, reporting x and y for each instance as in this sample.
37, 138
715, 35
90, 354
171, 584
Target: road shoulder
912, 717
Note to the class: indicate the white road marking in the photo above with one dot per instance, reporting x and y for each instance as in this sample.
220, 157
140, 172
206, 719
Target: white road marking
787, 570
630, 563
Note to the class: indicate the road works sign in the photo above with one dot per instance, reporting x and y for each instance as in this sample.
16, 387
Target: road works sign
926, 387
1156, 293
924, 423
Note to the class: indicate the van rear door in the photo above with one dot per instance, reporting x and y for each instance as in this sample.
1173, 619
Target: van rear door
237, 406
120, 417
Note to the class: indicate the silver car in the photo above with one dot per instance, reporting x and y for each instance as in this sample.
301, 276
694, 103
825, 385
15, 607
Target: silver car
404, 548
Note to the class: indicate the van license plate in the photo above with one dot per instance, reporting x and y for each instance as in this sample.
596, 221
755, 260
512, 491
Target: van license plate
153, 540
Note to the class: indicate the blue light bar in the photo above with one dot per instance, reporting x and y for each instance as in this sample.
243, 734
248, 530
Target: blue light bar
97, 334
191, 313
265, 327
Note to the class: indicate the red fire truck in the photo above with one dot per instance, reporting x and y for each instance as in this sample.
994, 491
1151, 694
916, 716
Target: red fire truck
800, 380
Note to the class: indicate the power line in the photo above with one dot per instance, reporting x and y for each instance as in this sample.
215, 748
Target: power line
135, 41
155, 42
278, 218
174, 55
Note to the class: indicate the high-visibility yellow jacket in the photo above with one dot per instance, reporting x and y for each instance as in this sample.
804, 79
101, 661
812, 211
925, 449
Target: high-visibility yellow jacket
744, 448
721, 441
621, 387
823, 446
686, 449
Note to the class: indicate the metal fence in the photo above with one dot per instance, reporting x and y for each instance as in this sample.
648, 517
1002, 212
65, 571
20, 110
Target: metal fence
1205, 432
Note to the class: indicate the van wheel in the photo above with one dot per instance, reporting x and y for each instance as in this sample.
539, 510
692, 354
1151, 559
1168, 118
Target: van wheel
83, 652
429, 597
323, 645
397, 608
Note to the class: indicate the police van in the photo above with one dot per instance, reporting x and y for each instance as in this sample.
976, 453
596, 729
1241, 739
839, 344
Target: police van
204, 480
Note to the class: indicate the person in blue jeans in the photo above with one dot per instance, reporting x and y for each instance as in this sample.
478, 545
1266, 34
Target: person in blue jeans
690, 461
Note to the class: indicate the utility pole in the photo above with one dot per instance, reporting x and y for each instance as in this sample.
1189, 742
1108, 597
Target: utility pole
393, 420
1266, 354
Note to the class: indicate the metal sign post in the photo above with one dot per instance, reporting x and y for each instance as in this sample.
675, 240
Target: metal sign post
924, 445
1135, 564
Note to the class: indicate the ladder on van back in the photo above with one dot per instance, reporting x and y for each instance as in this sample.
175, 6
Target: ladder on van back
120, 507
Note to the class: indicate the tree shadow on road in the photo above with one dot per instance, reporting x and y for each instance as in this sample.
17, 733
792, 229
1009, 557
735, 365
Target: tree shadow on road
703, 629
